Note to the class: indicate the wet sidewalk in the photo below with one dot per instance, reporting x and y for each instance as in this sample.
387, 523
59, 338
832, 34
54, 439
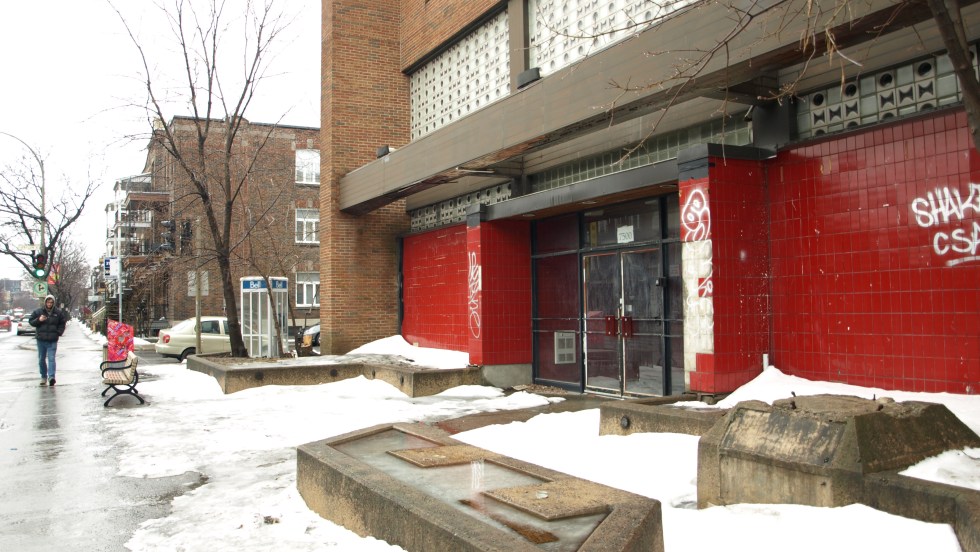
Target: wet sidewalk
59, 489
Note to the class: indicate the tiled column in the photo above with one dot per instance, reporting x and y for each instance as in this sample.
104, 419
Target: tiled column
499, 296
724, 230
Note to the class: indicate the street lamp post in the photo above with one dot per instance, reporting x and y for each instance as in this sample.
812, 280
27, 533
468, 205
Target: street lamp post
119, 256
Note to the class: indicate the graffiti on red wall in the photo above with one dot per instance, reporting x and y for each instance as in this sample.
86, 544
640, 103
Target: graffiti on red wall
954, 218
473, 304
698, 270
696, 216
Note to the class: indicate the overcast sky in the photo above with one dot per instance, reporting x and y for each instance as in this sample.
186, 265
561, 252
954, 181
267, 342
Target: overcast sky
73, 86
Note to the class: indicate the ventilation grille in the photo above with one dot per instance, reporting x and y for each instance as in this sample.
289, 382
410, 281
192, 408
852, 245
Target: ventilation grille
564, 347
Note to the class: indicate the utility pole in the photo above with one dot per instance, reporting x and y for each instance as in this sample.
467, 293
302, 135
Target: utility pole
119, 255
197, 282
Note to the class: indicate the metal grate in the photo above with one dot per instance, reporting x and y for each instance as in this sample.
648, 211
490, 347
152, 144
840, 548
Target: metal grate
564, 347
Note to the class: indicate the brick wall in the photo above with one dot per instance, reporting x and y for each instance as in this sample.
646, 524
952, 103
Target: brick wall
364, 104
263, 223
428, 23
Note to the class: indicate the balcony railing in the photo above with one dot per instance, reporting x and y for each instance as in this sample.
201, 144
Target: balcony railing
144, 247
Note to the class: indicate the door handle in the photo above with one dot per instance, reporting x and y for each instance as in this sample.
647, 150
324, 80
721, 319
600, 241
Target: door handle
610, 325
627, 326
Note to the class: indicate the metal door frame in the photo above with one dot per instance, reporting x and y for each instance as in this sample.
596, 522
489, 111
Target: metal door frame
622, 326
672, 332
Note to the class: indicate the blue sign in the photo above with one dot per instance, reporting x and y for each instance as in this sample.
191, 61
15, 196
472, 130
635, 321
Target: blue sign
251, 284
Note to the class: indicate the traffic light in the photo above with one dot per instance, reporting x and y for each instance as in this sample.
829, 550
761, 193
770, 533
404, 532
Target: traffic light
40, 269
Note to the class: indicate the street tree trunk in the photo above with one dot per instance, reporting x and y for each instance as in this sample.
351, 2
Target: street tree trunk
950, 23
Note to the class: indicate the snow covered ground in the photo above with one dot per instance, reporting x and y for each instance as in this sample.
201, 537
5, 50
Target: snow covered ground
245, 443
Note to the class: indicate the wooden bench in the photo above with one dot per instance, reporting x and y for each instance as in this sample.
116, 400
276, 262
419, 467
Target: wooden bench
121, 377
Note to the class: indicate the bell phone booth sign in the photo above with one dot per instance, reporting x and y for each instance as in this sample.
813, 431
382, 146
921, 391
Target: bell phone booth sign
259, 316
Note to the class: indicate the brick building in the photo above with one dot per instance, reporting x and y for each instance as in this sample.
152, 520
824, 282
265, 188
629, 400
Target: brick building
531, 182
165, 240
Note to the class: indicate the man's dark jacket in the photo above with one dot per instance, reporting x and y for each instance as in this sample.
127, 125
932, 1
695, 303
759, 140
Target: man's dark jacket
52, 328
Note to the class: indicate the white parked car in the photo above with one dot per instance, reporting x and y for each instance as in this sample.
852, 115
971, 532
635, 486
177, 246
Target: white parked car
24, 327
180, 340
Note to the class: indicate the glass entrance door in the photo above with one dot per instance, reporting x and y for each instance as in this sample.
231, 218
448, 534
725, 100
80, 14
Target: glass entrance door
624, 322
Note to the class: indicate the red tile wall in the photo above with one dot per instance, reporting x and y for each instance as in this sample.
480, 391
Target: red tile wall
434, 289
469, 289
740, 249
502, 332
735, 217
866, 286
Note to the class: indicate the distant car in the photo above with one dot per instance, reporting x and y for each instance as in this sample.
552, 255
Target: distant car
180, 341
23, 327
311, 337
6, 323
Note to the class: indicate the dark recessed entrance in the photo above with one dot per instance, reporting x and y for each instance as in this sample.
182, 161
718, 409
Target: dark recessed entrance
608, 299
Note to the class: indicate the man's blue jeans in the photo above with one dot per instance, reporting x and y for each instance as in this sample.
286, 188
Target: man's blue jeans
46, 351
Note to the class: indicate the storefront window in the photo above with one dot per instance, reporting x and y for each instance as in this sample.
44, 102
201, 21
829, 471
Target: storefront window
621, 225
556, 235
557, 320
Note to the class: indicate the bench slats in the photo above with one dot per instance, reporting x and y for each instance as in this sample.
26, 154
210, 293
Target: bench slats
121, 377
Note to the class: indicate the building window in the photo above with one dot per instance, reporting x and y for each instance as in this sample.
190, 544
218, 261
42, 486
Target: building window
307, 289
307, 166
307, 225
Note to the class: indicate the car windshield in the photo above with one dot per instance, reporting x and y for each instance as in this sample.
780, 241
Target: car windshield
184, 325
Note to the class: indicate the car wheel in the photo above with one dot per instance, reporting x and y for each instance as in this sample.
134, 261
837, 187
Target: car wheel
187, 352
316, 340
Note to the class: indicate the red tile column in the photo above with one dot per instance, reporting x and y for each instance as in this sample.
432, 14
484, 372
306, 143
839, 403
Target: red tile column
498, 299
724, 231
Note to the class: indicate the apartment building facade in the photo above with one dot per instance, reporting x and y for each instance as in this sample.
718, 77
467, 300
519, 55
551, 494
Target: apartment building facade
159, 230
608, 197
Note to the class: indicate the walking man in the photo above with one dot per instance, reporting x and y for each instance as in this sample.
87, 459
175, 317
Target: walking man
50, 323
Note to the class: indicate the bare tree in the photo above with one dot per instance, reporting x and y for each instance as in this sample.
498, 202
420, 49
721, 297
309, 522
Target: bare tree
32, 222
950, 23
217, 168
69, 277
261, 238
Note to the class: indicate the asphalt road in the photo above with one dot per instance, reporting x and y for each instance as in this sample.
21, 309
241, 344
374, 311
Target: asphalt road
58, 484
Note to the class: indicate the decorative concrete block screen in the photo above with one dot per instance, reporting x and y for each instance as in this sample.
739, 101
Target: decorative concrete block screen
565, 31
453, 210
468, 76
924, 84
